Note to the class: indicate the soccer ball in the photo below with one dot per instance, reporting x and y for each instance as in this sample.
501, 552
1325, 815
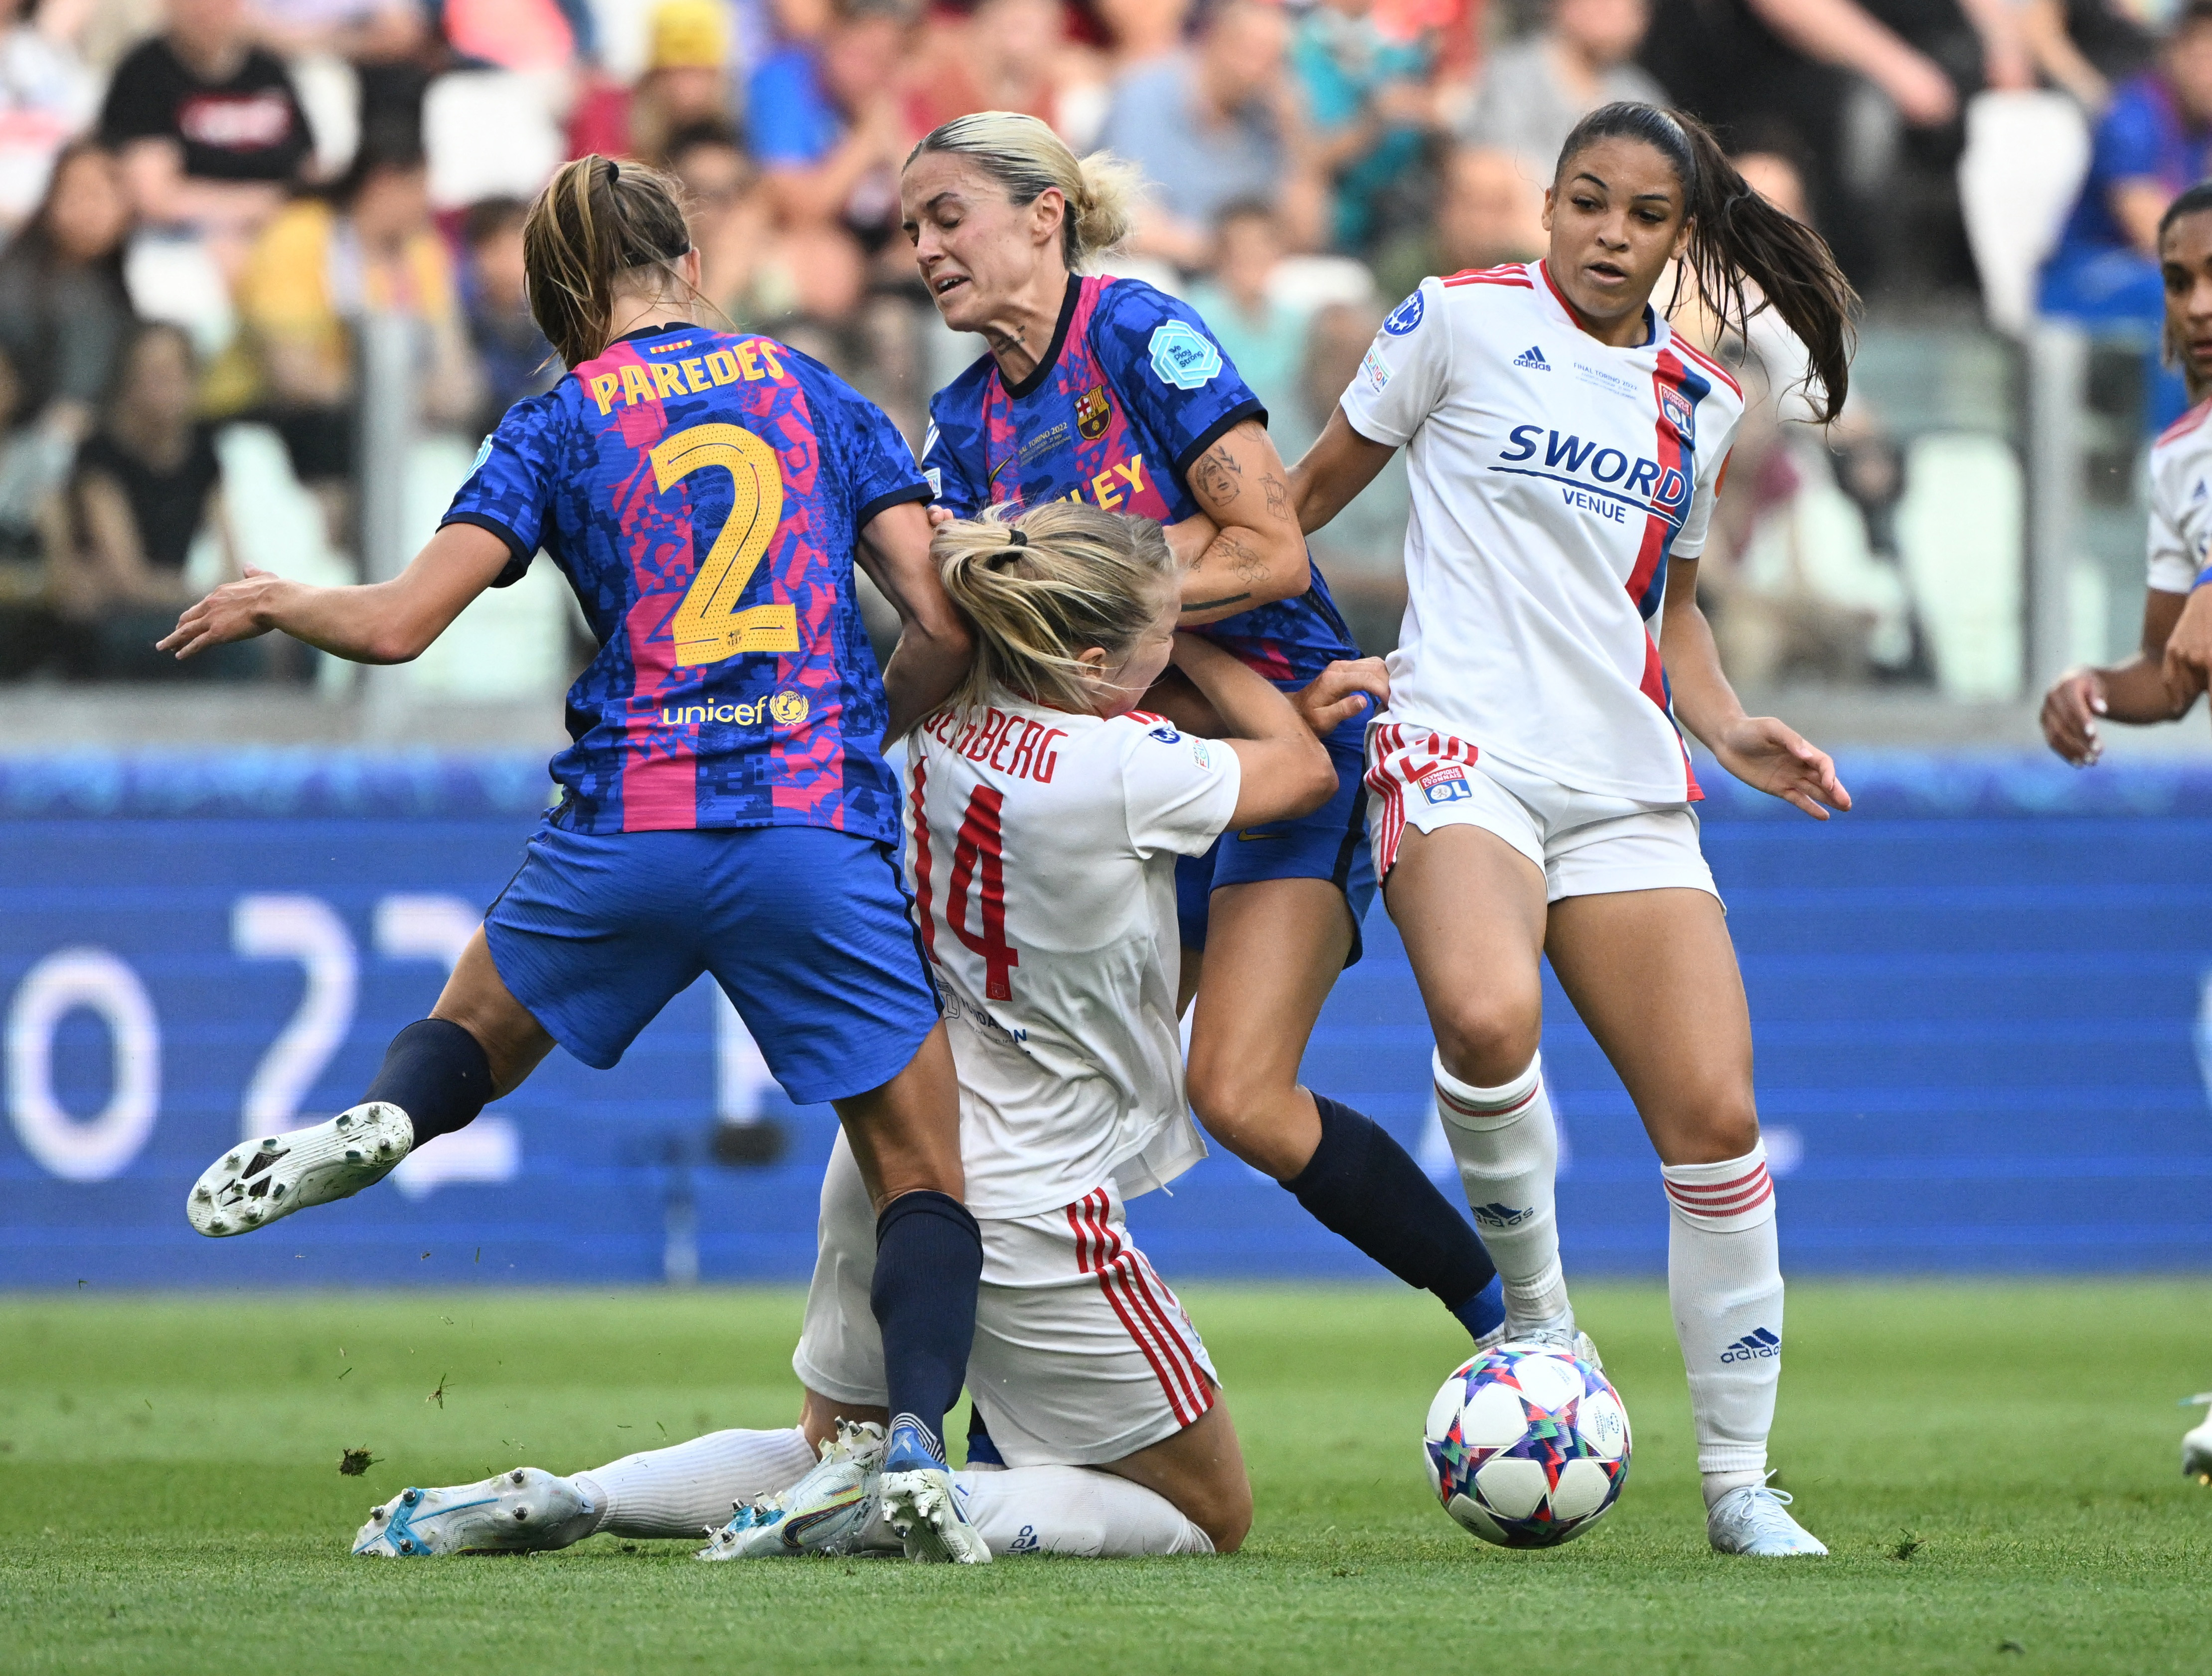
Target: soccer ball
1526, 1445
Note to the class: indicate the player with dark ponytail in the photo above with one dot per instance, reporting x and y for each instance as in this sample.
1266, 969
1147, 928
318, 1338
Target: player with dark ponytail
1530, 791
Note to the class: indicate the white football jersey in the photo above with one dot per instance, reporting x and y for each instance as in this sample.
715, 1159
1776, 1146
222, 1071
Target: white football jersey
1553, 477
1040, 850
2181, 502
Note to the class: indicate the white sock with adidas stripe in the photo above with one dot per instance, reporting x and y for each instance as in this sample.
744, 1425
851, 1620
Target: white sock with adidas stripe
1507, 1147
1725, 1285
1074, 1511
687, 1489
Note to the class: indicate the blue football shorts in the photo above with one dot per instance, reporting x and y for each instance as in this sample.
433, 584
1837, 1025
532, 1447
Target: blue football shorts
1330, 844
806, 929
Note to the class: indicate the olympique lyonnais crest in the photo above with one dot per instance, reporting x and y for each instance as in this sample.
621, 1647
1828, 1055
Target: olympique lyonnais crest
1676, 406
1094, 413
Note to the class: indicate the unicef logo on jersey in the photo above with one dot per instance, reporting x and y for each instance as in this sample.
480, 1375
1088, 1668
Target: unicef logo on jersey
1183, 356
1404, 317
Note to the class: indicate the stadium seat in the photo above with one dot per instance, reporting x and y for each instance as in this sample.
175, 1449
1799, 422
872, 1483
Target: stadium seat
2026, 155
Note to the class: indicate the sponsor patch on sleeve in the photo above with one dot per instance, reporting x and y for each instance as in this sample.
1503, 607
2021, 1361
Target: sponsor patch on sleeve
1200, 755
1373, 370
1183, 356
935, 479
1447, 784
1404, 317
483, 453
1166, 733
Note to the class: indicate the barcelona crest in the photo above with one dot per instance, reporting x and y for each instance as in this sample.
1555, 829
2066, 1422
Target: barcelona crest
1093, 413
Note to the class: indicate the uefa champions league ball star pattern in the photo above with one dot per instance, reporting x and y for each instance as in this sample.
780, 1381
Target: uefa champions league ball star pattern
1526, 1446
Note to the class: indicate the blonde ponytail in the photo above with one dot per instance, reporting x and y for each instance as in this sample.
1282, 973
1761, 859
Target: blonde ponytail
1026, 159
1041, 588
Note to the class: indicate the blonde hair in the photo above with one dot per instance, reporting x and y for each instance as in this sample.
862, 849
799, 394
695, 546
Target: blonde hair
1024, 157
1041, 587
597, 225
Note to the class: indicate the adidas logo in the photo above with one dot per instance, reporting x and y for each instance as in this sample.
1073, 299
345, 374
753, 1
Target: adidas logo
1501, 1215
1532, 358
1753, 1345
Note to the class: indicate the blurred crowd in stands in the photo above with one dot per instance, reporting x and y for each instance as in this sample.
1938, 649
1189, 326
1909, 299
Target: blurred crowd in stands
202, 200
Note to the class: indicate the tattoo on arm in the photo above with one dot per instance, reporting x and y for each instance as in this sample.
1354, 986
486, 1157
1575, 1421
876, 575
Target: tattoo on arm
1218, 472
1214, 605
1249, 565
1279, 495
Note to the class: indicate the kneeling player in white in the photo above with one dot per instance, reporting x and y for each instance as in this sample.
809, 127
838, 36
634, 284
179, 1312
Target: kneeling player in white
1043, 825
1532, 795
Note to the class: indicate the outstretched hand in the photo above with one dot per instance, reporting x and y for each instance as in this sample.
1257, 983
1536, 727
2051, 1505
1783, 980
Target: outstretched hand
1348, 687
2070, 713
236, 610
1767, 753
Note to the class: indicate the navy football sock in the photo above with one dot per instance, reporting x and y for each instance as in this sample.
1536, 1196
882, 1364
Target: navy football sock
929, 1256
1361, 1184
436, 1073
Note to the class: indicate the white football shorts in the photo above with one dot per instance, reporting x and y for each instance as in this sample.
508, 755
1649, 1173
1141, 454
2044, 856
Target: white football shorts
1586, 844
1082, 1354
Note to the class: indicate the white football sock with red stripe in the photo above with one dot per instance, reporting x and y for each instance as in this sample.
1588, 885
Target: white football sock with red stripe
1074, 1511
688, 1488
1507, 1147
1725, 1284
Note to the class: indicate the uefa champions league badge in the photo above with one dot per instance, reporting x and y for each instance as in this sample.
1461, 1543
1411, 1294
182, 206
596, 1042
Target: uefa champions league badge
1676, 406
1183, 356
1404, 317
483, 453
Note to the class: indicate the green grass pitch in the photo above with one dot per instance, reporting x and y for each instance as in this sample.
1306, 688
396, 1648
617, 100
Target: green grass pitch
1995, 1466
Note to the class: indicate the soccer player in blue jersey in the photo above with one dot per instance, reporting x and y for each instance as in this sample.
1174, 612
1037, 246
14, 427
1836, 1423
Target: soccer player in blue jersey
724, 806
1108, 392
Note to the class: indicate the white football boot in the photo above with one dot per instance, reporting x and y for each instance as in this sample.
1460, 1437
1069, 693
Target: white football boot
1751, 1519
923, 1506
521, 1509
256, 1182
1560, 1334
824, 1512
2197, 1446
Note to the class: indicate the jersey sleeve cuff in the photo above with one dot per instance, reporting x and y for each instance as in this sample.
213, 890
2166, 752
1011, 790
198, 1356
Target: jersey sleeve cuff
1254, 409
2203, 577
1364, 426
518, 556
899, 496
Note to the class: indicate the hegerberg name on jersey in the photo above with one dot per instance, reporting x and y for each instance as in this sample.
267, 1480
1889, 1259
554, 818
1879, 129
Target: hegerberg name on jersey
1553, 478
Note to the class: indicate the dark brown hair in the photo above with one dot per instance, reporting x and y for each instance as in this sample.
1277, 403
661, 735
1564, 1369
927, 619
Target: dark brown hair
1737, 236
597, 222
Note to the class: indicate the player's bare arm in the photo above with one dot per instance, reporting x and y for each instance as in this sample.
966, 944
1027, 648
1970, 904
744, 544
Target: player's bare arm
933, 645
1286, 770
383, 622
1761, 751
2187, 661
1257, 553
2140, 689
1331, 473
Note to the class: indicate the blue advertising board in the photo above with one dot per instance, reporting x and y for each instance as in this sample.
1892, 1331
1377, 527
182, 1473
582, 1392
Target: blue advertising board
1980, 1005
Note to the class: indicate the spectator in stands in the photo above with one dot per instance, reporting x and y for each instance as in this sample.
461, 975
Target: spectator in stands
1218, 122
146, 488
209, 127
528, 35
755, 272
1265, 339
386, 42
46, 97
1363, 550
1534, 90
829, 127
2155, 140
1369, 102
323, 264
1141, 32
1006, 55
2087, 46
1487, 211
64, 314
686, 83
514, 360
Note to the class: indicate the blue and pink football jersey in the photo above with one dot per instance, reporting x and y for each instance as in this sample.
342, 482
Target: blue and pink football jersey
1132, 391
702, 492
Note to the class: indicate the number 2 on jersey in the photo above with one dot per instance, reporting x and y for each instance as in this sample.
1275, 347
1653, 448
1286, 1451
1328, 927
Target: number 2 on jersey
708, 627
976, 852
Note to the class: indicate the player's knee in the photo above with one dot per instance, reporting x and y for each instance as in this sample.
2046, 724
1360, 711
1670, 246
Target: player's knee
1708, 1128
1253, 1118
1226, 1515
1489, 1039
